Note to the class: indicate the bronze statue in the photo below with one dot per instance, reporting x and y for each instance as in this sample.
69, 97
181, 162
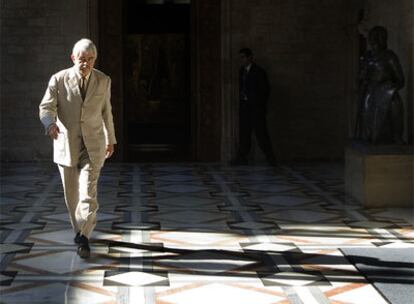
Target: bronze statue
380, 115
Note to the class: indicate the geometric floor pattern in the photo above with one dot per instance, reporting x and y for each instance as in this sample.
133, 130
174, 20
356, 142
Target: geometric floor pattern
193, 233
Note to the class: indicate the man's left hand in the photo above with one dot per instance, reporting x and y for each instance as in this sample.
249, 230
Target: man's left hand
109, 151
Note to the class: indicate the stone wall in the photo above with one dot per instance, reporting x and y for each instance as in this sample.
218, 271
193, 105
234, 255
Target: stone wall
37, 37
305, 47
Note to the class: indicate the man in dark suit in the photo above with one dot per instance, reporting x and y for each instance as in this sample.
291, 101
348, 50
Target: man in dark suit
253, 94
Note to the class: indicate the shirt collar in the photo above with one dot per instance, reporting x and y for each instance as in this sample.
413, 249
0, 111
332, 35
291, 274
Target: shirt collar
79, 76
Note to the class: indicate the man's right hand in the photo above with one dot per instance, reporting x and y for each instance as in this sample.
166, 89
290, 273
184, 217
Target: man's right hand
53, 131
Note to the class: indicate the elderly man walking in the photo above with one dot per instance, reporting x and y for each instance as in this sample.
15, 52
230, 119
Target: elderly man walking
76, 113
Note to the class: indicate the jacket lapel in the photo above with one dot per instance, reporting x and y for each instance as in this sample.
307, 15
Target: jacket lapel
74, 83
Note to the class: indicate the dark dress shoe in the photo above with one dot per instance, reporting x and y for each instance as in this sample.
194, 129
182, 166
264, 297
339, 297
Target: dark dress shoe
84, 251
77, 238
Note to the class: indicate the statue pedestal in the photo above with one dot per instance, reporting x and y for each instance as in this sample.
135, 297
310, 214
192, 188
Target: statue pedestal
380, 176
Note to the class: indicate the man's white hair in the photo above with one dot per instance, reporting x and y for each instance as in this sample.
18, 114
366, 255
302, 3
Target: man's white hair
84, 45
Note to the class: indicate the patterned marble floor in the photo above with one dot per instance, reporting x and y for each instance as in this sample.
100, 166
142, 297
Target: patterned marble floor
193, 233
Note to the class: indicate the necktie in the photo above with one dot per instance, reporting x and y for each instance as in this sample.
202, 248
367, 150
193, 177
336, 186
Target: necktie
83, 87
245, 72
244, 79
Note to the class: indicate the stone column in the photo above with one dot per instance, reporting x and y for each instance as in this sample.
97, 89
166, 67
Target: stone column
229, 129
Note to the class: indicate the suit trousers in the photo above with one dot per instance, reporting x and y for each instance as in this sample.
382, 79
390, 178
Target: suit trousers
80, 190
250, 120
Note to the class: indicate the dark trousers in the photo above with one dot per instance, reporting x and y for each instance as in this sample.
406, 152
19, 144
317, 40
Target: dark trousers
254, 119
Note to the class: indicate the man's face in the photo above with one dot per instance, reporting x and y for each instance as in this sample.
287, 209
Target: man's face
376, 42
245, 60
373, 43
84, 62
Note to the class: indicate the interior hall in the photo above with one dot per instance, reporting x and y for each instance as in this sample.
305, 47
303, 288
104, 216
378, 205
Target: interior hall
263, 153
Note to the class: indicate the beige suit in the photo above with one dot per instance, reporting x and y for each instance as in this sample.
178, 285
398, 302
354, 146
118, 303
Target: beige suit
90, 120
86, 127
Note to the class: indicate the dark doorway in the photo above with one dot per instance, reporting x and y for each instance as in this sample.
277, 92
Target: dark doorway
157, 108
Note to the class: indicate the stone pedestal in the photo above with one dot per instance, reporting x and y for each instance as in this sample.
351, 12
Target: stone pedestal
380, 176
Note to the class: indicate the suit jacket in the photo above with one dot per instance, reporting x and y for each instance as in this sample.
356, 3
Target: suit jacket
256, 87
88, 120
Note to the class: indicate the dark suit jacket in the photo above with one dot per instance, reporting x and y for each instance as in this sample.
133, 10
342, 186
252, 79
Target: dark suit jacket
257, 87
